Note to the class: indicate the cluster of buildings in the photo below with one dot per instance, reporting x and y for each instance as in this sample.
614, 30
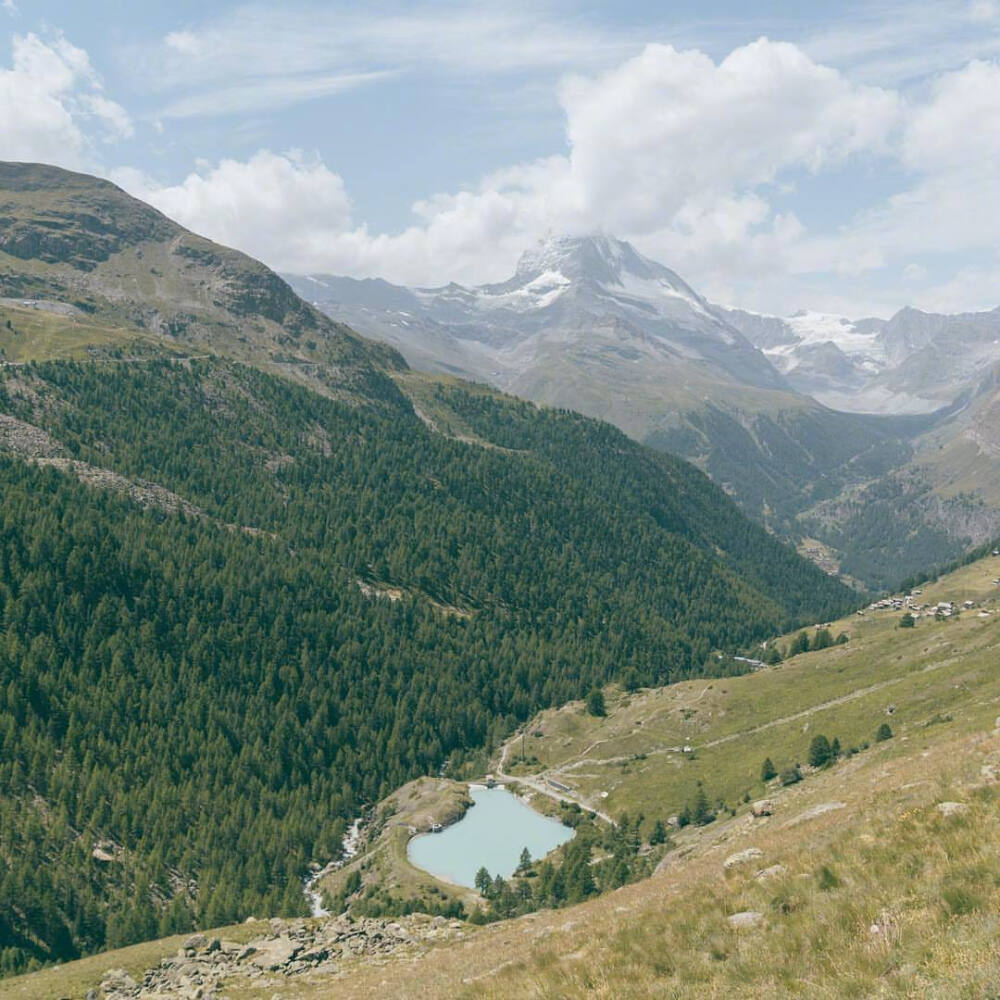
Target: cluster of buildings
910, 602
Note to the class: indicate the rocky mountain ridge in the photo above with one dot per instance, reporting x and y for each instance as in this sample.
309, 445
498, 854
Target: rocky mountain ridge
82, 245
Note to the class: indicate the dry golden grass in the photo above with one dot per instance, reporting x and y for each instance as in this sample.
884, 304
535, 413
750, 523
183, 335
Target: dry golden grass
888, 859
75, 978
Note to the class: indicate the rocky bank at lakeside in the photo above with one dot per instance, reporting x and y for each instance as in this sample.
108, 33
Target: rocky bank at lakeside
205, 967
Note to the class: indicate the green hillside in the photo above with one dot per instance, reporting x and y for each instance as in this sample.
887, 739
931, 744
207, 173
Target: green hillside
177, 682
876, 874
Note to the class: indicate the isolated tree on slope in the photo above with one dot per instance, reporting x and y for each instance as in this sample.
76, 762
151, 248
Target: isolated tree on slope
820, 752
595, 703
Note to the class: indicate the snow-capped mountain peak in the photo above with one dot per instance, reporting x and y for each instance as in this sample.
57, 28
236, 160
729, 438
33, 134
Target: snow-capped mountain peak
601, 274
584, 296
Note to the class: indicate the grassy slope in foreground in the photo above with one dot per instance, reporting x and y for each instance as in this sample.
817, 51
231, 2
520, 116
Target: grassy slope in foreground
882, 894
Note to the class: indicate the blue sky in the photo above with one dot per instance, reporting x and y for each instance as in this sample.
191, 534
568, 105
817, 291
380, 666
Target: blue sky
780, 156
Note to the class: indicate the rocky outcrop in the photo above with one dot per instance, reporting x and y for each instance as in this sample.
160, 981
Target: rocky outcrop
205, 967
26, 439
775, 871
952, 808
743, 857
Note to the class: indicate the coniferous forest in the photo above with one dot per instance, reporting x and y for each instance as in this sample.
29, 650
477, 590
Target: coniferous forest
196, 698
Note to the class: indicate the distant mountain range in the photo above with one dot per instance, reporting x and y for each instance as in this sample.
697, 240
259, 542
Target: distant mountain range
591, 296
915, 362
815, 423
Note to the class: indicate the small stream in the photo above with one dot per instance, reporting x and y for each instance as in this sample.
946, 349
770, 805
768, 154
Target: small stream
351, 843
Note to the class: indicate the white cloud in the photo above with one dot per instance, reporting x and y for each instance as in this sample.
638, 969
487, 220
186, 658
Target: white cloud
9, 6
271, 206
906, 40
960, 124
258, 40
267, 95
286, 52
687, 157
51, 105
669, 147
951, 148
670, 126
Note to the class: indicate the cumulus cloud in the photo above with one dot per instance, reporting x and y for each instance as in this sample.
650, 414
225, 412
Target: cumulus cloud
951, 148
271, 206
669, 146
688, 157
51, 104
960, 123
667, 127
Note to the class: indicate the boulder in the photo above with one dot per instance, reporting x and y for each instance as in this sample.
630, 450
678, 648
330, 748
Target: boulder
118, 980
313, 956
745, 919
743, 857
951, 808
275, 953
765, 807
768, 873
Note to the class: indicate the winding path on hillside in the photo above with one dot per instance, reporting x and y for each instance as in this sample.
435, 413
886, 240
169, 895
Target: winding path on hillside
538, 784
538, 781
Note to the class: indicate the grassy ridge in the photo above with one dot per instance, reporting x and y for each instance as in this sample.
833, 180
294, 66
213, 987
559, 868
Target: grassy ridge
628, 760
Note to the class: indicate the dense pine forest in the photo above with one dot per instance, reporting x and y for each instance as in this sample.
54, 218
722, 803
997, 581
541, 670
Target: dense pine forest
195, 701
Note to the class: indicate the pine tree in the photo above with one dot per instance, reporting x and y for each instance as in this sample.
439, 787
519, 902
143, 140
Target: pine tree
800, 644
595, 702
483, 881
819, 751
701, 811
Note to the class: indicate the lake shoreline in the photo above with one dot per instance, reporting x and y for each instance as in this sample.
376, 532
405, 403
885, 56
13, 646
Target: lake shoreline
505, 823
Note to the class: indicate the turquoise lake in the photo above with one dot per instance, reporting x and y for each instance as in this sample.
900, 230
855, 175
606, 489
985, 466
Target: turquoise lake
492, 834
